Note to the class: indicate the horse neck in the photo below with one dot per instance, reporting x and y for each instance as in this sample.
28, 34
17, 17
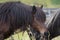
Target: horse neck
54, 28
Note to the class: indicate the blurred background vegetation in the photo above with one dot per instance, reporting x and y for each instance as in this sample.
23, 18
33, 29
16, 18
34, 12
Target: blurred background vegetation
46, 3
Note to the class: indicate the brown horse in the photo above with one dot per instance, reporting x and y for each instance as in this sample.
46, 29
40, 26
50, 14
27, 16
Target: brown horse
39, 29
15, 15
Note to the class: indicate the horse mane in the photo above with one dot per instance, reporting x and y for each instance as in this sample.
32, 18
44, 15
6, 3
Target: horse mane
4, 16
12, 14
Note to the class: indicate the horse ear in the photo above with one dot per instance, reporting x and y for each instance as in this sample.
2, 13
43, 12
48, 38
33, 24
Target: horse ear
33, 9
41, 6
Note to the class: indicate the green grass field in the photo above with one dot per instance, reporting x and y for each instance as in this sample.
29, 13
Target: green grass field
21, 36
46, 3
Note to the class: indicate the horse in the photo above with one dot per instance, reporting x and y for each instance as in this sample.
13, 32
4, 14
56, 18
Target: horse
54, 26
41, 17
16, 15
35, 33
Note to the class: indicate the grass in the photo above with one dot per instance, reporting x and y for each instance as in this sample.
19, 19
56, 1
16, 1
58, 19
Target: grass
57, 38
20, 36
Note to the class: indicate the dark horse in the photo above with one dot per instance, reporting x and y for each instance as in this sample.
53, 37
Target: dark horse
16, 15
54, 26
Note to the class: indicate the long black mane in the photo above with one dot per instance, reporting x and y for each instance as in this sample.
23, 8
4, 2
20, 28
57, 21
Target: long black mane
15, 15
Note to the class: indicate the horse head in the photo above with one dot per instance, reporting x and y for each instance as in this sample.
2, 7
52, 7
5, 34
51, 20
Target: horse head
38, 24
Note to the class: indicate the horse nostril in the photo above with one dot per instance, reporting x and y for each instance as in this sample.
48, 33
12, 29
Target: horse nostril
47, 33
